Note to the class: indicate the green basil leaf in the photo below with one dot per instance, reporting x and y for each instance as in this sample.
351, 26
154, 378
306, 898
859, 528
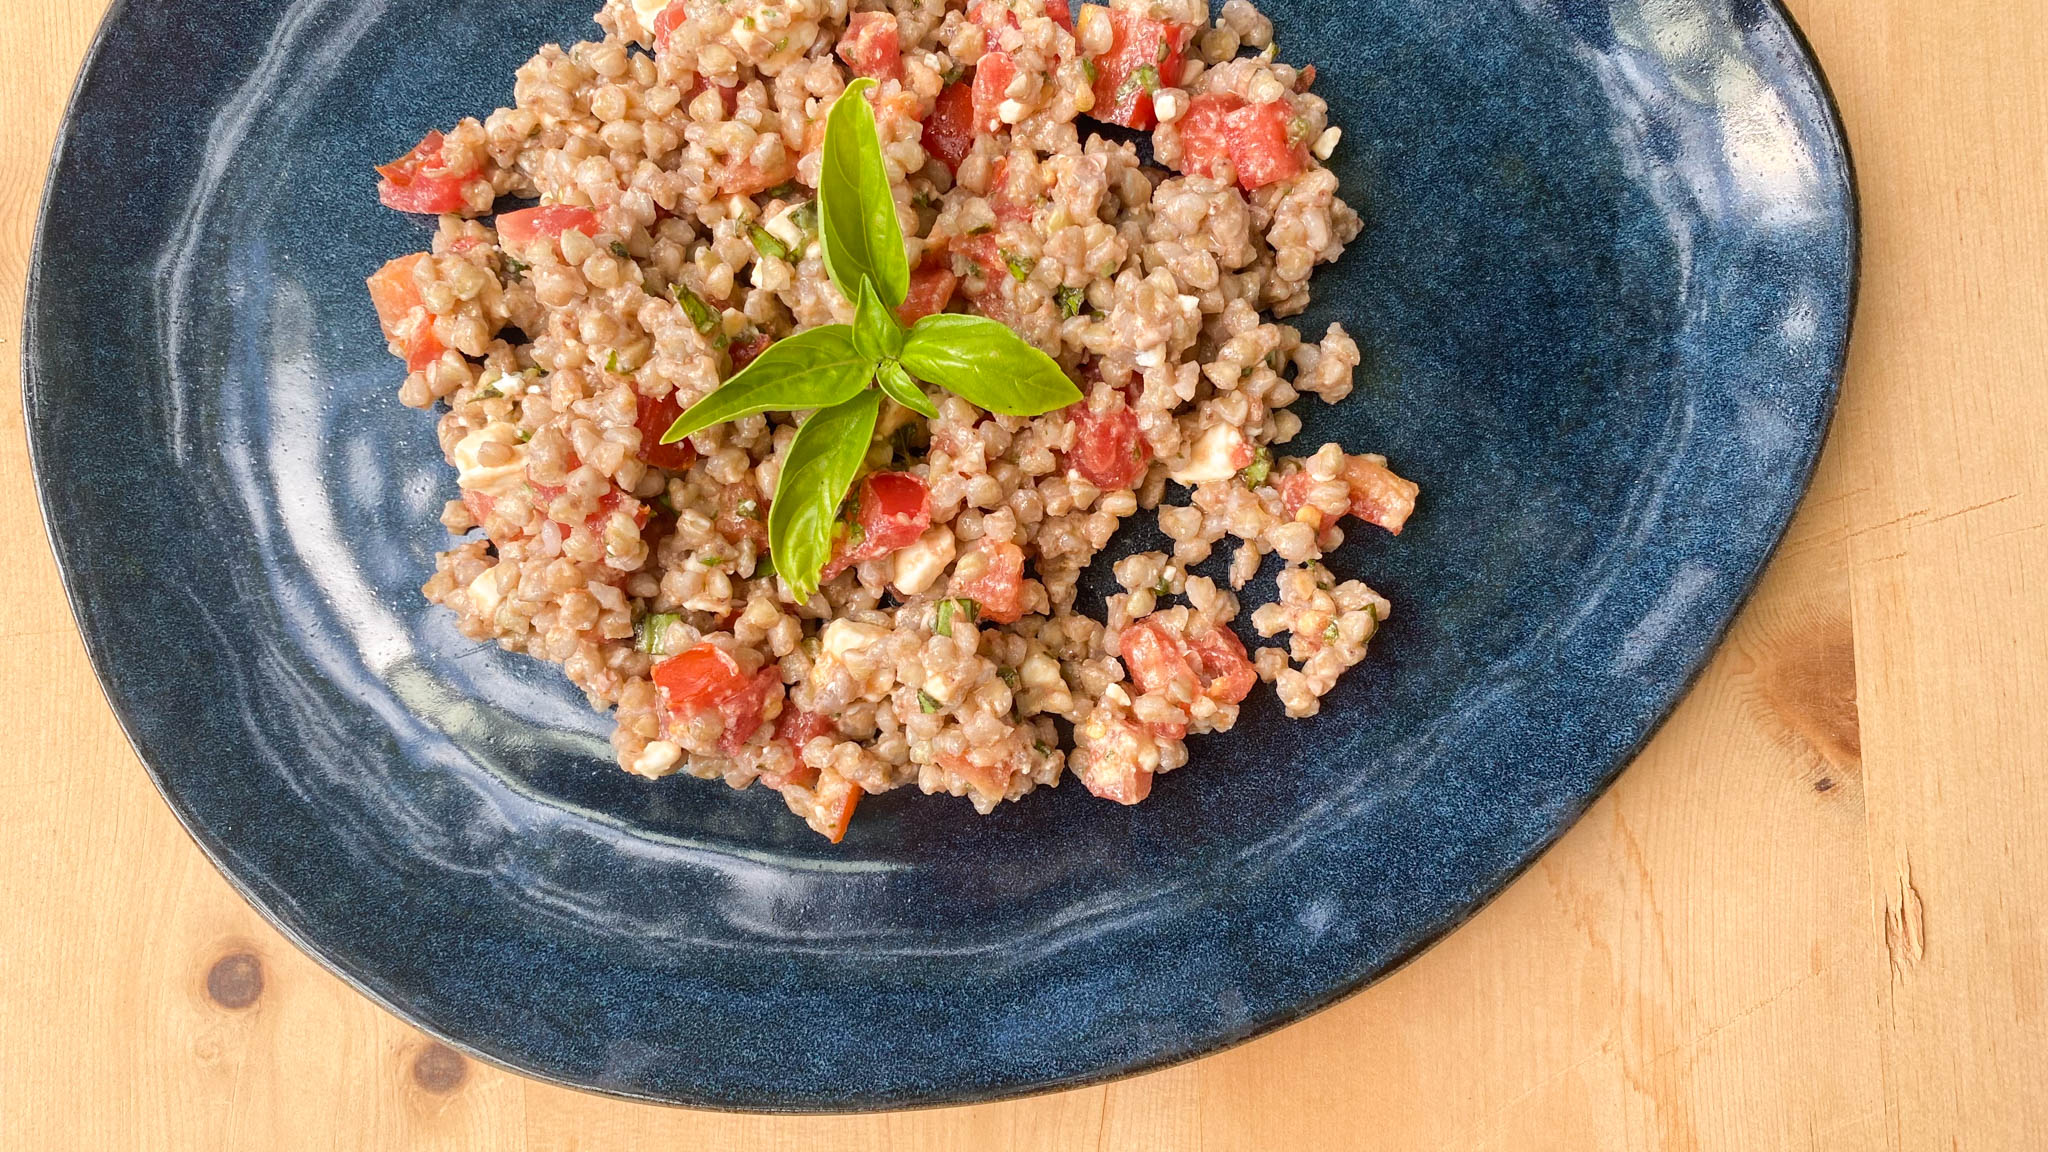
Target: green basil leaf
815, 368
855, 205
986, 364
816, 472
903, 390
876, 331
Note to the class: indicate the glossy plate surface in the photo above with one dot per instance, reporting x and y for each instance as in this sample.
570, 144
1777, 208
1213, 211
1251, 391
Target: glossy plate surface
1604, 292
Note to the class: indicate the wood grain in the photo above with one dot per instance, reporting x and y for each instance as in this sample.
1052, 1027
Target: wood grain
1808, 917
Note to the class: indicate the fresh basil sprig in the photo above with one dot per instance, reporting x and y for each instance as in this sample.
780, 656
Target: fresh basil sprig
827, 370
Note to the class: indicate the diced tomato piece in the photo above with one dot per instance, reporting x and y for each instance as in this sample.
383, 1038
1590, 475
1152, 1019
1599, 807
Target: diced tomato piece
407, 324
728, 95
798, 727
836, 798
1012, 199
931, 289
707, 679
1144, 55
745, 351
1294, 491
999, 590
667, 21
1259, 145
417, 181
479, 505
994, 291
870, 46
612, 501
949, 130
1155, 656
1220, 662
993, 15
992, 76
895, 509
522, 227
741, 176
1378, 496
1108, 450
1205, 133
742, 516
653, 418
1114, 758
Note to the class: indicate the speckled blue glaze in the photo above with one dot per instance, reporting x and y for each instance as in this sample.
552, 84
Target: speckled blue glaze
1604, 292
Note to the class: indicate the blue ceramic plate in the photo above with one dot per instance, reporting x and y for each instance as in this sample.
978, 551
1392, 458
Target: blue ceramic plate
1604, 291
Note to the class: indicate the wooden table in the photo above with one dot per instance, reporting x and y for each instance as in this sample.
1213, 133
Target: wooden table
1806, 918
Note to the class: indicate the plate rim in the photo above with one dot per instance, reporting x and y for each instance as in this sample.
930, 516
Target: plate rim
31, 383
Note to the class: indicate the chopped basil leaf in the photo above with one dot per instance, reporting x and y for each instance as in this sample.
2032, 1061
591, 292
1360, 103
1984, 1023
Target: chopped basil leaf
1145, 79
489, 392
1011, 678
1020, 265
948, 609
748, 509
515, 267
1255, 473
1072, 300
766, 244
611, 363
620, 250
652, 635
1330, 633
1088, 66
701, 314
927, 703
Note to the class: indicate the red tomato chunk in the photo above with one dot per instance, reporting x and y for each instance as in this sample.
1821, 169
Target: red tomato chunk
407, 324
1259, 145
706, 679
519, 229
999, 590
1378, 495
870, 46
949, 130
417, 181
895, 509
653, 418
992, 78
1144, 55
1214, 659
1111, 757
931, 289
1108, 451
1253, 137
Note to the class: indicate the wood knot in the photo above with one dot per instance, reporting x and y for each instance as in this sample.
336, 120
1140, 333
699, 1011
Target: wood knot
1809, 682
439, 1069
235, 980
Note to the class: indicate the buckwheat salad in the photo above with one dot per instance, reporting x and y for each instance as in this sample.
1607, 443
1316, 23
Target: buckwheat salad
796, 360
